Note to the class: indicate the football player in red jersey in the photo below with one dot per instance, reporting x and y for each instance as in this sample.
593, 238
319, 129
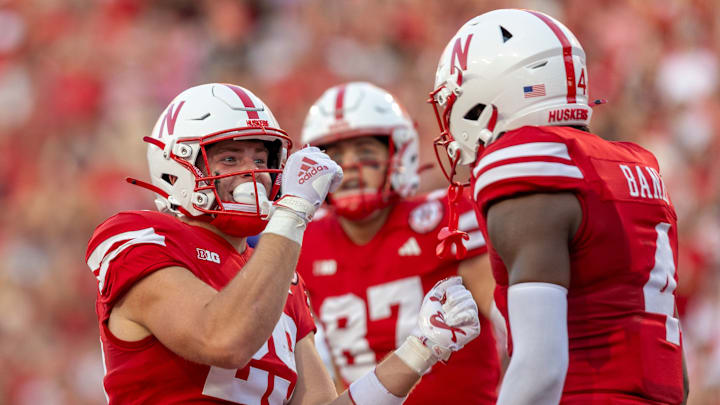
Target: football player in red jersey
370, 259
582, 233
187, 315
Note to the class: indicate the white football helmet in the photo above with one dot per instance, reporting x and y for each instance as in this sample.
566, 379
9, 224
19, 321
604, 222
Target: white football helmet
361, 109
195, 120
503, 70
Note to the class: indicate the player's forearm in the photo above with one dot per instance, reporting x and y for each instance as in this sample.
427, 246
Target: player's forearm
388, 384
538, 324
396, 376
477, 277
243, 314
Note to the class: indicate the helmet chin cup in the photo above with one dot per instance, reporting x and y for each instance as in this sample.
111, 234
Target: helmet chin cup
360, 206
239, 226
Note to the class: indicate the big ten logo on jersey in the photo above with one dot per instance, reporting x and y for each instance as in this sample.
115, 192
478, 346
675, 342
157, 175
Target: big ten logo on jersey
207, 255
270, 376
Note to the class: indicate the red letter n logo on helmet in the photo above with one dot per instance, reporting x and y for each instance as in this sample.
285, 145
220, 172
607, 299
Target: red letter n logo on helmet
170, 118
460, 53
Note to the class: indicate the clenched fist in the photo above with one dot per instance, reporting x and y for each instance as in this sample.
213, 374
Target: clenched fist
308, 177
448, 318
448, 321
309, 174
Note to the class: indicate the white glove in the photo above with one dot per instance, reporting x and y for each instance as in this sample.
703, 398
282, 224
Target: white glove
308, 177
448, 318
309, 174
448, 321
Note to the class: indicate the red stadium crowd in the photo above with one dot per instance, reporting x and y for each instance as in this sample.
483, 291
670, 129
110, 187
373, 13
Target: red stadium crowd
81, 82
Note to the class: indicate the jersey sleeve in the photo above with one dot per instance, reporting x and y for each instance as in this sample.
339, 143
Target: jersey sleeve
123, 250
529, 160
301, 308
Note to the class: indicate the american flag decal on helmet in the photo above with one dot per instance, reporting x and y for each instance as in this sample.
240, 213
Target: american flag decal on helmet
536, 90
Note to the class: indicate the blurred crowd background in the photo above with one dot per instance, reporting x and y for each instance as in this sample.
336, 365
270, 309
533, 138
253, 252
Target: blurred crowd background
82, 81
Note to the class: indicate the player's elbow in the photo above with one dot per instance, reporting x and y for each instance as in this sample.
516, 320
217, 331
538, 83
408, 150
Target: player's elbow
554, 366
553, 376
228, 350
225, 355
549, 367
534, 380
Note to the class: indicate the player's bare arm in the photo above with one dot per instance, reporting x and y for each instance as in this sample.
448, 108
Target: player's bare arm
531, 234
223, 328
477, 276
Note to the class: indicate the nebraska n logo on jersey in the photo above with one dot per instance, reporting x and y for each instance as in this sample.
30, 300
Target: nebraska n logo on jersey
308, 169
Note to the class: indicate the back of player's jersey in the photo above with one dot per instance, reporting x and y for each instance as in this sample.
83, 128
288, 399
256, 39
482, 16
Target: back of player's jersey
624, 338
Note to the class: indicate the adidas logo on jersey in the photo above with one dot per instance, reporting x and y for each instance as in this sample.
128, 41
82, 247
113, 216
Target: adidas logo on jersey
309, 169
410, 248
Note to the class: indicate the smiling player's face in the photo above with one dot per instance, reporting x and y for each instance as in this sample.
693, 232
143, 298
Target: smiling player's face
231, 156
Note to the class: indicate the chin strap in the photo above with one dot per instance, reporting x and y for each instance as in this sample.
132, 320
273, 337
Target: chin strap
450, 235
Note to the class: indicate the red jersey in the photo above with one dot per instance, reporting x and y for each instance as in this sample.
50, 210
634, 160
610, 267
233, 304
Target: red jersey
368, 297
624, 341
131, 245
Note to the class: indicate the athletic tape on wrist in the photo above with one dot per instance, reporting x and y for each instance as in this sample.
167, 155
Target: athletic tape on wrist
368, 390
302, 207
286, 223
416, 355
